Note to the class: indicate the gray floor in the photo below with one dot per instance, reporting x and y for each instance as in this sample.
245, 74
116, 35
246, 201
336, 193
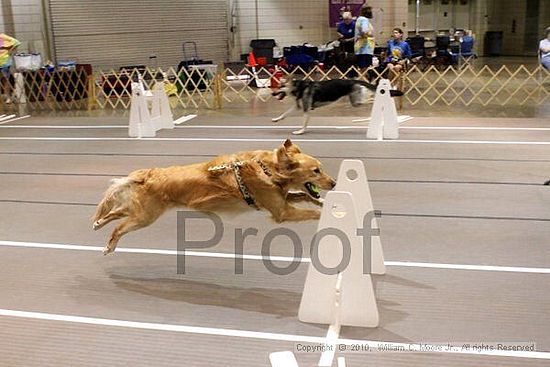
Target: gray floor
445, 200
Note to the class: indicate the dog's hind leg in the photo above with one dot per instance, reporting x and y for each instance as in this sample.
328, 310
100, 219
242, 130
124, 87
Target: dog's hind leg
307, 105
128, 225
285, 114
304, 126
134, 221
112, 215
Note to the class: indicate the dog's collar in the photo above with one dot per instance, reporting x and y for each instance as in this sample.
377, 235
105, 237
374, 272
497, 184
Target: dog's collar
264, 168
219, 167
242, 187
236, 167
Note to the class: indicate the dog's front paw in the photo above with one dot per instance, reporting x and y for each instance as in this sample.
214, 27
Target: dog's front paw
276, 119
319, 201
299, 132
96, 225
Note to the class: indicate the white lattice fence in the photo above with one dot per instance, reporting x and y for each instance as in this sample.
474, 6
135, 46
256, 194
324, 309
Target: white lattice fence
209, 87
188, 88
49, 90
505, 86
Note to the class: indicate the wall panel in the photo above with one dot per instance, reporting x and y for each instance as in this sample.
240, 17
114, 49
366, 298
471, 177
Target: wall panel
109, 33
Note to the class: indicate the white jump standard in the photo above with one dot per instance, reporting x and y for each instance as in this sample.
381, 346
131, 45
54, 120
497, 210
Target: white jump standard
145, 123
384, 121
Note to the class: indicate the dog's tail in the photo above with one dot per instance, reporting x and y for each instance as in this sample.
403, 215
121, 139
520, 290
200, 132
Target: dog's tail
116, 195
372, 87
547, 183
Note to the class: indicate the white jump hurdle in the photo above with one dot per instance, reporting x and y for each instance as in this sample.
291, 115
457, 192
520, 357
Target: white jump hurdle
358, 305
145, 122
347, 296
344, 210
352, 178
384, 121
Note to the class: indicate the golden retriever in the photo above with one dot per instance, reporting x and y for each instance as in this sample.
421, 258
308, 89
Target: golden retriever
260, 179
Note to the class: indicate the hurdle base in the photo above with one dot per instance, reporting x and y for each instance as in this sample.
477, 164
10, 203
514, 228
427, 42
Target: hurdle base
283, 359
400, 119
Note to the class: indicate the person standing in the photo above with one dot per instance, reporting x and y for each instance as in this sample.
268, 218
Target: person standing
8, 45
544, 49
364, 38
346, 32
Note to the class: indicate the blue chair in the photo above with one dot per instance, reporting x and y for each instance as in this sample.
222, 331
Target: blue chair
465, 54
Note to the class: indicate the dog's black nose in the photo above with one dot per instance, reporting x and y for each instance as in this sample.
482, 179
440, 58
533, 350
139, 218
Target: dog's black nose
333, 183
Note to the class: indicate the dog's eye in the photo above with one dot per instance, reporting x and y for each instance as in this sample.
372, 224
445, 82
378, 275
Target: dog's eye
317, 170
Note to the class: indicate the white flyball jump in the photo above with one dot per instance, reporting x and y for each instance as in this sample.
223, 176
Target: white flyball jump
338, 289
145, 123
353, 302
350, 300
384, 121
352, 178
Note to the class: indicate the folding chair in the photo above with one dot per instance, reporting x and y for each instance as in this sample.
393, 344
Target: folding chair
465, 55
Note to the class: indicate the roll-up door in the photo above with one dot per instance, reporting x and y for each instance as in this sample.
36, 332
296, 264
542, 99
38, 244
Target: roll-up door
107, 33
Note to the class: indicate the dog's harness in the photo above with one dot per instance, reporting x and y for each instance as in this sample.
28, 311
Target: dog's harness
236, 167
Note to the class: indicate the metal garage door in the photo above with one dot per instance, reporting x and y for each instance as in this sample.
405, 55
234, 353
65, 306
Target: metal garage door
107, 33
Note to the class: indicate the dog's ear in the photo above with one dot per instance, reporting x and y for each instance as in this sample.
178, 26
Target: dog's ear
290, 147
284, 160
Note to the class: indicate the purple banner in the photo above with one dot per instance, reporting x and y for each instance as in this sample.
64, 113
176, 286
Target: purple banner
337, 7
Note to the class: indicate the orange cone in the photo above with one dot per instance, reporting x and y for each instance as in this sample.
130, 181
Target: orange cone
252, 60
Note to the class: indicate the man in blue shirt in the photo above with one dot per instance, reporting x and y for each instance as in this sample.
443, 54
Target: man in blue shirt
544, 50
346, 32
398, 51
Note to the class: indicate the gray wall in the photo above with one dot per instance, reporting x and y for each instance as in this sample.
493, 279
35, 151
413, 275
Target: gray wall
295, 22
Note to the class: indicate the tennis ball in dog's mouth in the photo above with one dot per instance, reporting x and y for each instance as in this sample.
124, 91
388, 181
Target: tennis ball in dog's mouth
314, 190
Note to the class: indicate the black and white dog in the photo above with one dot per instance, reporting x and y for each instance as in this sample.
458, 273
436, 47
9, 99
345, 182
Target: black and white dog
311, 94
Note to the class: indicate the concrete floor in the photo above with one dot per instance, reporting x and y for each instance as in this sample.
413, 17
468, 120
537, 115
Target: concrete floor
449, 195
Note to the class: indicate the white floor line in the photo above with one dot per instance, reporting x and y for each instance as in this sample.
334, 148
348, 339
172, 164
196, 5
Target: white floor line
267, 127
259, 140
61, 127
221, 255
260, 335
511, 269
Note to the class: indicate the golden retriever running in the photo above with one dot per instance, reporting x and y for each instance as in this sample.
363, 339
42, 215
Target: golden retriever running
259, 179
